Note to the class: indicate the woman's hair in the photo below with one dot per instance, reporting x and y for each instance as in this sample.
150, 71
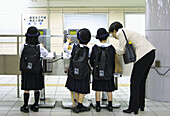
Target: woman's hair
115, 26
83, 36
32, 36
102, 34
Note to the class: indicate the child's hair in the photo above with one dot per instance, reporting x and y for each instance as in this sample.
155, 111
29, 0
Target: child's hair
102, 34
115, 26
84, 36
32, 36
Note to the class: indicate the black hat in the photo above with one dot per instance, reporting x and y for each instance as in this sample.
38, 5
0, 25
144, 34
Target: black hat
32, 32
84, 36
102, 34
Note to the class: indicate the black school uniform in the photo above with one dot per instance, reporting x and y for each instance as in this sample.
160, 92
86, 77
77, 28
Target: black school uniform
103, 85
33, 81
79, 86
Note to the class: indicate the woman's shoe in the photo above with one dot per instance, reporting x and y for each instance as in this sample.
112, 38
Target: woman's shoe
34, 108
98, 108
109, 108
135, 112
130, 111
141, 109
24, 109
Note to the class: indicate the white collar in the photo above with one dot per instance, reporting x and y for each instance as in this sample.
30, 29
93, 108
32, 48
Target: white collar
82, 45
103, 44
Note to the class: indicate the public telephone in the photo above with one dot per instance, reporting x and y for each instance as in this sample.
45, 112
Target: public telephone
44, 38
72, 33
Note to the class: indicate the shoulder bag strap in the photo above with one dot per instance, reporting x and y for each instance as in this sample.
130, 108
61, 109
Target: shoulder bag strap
125, 36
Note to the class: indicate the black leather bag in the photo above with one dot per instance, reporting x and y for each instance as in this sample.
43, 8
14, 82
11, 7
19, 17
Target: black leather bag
129, 55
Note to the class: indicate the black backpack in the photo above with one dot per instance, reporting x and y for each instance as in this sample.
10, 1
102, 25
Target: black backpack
103, 69
79, 67
30, 59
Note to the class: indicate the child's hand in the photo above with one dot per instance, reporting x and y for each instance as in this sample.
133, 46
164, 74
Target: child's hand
42, 45
69, 40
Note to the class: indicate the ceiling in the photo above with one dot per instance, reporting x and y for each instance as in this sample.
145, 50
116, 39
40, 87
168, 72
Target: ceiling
86, 3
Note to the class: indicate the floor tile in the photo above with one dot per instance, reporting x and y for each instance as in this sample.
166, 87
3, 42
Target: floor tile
16, 113
103, 113
162, 113
122, 114
159, 108
89, 113
10, 104
39, 114
3, 113
61, 113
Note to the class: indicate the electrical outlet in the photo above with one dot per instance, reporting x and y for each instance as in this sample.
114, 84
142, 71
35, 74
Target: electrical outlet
157, 63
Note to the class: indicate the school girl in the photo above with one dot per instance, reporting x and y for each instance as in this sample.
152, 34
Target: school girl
103, 84
32, 80
80, 85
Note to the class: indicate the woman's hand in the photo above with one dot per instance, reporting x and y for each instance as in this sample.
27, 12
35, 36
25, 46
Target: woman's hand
118, 68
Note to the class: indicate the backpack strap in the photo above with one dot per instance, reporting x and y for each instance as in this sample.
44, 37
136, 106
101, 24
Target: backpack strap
98, 48
107, 54
75, 51
23, 51
35, 50
38, 50
103, 56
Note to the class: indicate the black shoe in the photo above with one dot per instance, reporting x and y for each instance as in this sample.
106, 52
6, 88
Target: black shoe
109, 108
24, 109
83, 108
130, 111
98, 108
141, 109
75, 109
34, 108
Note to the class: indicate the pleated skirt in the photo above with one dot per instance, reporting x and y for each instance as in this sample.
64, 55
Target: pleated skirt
79, 86
32, 81
103, 85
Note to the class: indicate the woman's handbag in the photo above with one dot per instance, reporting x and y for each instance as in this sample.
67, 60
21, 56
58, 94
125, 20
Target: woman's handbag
129, 55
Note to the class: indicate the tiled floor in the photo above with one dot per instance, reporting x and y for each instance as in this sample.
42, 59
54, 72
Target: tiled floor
10, 104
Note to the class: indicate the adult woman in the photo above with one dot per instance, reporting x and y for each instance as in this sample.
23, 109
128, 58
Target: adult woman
145, 54
32, 80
